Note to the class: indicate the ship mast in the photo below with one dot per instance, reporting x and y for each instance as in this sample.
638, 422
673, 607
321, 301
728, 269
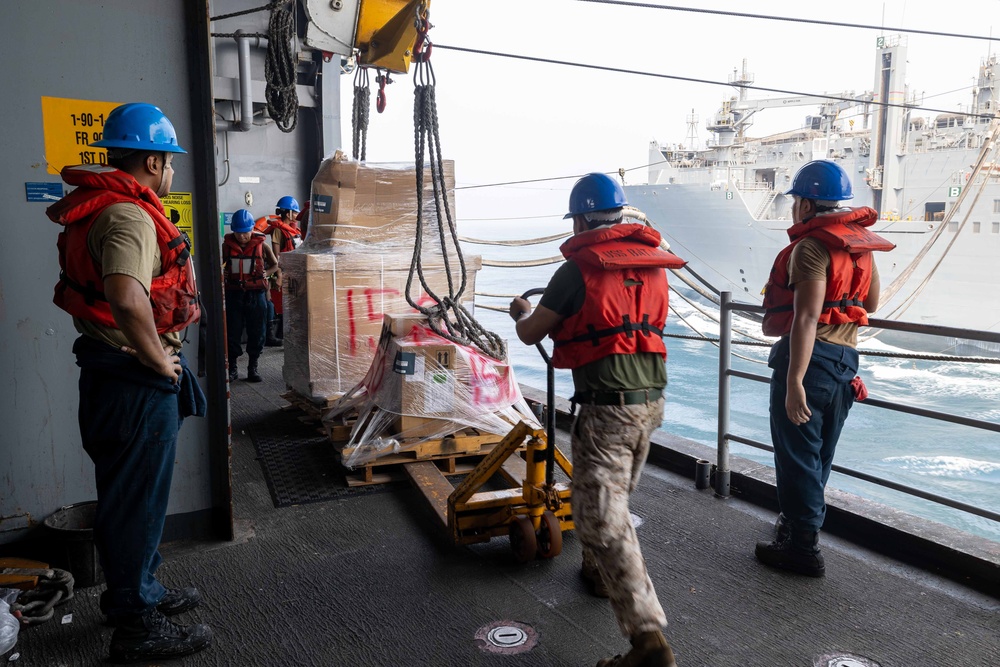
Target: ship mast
887, 135
740, 81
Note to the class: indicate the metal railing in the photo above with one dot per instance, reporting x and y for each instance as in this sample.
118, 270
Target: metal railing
722, 478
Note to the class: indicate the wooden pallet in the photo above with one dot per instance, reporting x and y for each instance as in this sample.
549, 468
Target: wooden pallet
454, 455
313, 411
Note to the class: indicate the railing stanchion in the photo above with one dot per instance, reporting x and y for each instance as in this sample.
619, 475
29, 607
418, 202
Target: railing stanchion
725, 345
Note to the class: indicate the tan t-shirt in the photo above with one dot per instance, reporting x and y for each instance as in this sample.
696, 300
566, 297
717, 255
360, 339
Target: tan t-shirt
123, 241
810, 260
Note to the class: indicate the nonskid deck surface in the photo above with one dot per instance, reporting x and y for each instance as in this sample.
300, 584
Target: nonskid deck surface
363, 579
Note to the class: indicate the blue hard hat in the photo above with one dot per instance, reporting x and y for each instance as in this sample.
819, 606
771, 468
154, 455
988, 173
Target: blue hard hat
139, 126
823, 180
242, 221
288, 203
595, 192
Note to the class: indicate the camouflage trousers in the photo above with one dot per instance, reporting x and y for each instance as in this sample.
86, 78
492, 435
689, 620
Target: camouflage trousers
610, 445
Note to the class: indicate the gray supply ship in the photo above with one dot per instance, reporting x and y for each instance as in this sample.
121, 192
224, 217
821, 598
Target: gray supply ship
934, 181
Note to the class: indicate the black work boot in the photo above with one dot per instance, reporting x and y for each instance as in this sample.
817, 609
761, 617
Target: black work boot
798, 553
272, 339
178, 601
649, 649
782, 529
150, 636
279, 328
252, 374
234, 374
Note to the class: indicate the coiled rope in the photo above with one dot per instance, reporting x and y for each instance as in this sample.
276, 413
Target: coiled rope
279, 69
279, 63
464, 330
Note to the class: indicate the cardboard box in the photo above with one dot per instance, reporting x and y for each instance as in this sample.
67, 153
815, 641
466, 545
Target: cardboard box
334, 305
373, 203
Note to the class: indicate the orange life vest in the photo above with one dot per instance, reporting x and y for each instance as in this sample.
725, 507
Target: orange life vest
244, 265
263, 225
80, 290
625, 307
269, 223
288, 234
849, 277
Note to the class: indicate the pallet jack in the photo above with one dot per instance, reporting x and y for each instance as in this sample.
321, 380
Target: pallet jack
533, 511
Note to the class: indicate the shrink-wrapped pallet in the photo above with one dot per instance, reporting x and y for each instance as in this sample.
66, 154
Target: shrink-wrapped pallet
354, 266
334, 303
423, 387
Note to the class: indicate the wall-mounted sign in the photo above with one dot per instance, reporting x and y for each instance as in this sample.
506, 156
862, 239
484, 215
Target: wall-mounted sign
70, 128
177, 208
43, 192
954, 191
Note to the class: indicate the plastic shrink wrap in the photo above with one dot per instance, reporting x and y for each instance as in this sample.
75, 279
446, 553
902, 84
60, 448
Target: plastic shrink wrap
421, 387
354, 266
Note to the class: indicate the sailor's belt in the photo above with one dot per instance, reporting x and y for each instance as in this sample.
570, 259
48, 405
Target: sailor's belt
633, 397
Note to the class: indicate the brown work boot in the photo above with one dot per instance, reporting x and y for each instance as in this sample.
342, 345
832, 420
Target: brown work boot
649, 649
592, 575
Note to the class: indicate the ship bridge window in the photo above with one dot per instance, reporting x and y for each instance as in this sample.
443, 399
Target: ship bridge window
996, 205
996, 228
953, 225
976, 226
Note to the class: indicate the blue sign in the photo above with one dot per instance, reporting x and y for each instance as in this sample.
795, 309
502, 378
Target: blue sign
45, 192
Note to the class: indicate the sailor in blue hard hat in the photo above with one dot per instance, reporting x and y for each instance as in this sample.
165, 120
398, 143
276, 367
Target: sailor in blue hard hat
128, 282
248, 262
605, 309
821, 288
136, 131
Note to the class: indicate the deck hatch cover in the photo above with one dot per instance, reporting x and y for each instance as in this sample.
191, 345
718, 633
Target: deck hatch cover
843, 660
506, 637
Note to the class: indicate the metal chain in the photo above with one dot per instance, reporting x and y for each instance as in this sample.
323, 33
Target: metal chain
359, 116
279, 69
233, 35
272, 5
465, 330
55, 587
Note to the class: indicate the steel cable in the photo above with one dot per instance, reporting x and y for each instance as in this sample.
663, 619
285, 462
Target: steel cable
464, 330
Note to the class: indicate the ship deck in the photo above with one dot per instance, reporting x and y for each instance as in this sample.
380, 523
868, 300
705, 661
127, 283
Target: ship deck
360, 577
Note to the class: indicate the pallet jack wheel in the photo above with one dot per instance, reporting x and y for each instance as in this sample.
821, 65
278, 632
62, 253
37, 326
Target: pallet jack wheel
522, 539
549, 536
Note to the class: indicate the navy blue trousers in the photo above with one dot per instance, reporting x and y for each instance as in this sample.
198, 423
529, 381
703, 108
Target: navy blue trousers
803, 454
129, 420
245, 310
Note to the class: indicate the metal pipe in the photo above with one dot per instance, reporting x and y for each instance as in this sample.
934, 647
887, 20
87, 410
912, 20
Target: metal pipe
889, 484
725, 359
245, 121
550, 422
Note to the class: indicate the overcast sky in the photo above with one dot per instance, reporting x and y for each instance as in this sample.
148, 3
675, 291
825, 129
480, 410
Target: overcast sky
504, 119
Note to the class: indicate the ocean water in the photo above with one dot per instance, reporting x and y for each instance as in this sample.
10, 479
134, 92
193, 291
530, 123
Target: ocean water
951, 460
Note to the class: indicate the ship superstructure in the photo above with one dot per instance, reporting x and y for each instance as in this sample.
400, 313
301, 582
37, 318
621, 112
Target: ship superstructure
935, 182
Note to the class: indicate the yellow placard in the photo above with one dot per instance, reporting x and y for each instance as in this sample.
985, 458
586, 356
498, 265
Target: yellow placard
70, 128
177, 207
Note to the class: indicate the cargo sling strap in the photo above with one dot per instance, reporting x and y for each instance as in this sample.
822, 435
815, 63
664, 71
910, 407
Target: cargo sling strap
359, 113
627, 327
461, 328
